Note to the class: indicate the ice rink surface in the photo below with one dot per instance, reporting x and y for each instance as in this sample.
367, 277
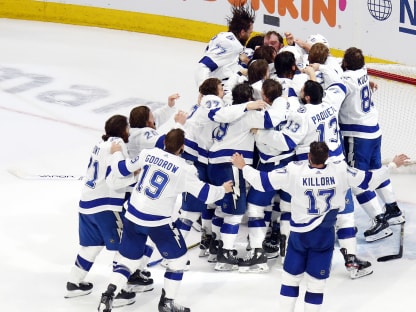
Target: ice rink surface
58, 85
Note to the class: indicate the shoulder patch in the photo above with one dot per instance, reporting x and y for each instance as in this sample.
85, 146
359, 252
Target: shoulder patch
281, 170
352, 171
302, 109
298, 162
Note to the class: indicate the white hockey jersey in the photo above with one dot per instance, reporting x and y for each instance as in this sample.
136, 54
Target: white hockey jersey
147, 137
257, 86
202, 121
97, 193
314, 191
291, 87
236, 137
358, 116
278, 112
221, 58
198, 128
311, 122
162, 178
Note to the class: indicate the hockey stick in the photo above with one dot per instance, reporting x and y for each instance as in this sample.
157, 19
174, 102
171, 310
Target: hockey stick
28, 176
157, 261
398, 255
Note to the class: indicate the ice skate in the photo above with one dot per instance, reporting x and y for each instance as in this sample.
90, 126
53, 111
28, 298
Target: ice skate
213, 249
124, 298
204, 244
106, 301
255, 261
393, 214
357, 267
271, 245
379, 230
140, 282
169, 305
76, 290
227, 259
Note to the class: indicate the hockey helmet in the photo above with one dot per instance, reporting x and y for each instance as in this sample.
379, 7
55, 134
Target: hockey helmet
317, 38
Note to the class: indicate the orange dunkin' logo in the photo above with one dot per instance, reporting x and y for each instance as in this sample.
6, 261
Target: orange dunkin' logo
306, 10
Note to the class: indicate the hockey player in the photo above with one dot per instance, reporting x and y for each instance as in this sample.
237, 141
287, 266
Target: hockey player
317, 120
287, 73
145, 123
362, 143
267, 53
197, 142
291, 79
163, 176
230, 137
318, 191
143, 134
274, 39
258, 71
100, 211
305, 47
202, 121
318, 52
221, 57
259, 204
322, 125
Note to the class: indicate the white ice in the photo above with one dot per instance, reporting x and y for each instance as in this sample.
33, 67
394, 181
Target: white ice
47, 132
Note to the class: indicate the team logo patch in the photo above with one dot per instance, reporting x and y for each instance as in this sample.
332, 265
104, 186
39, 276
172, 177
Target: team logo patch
302, 109
352, 171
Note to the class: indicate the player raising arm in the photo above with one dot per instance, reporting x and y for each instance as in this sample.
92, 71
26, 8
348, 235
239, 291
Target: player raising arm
318, 193
222, 55
163, 176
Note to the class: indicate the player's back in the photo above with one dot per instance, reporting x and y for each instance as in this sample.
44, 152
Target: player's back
278, 112
162, 178
318, 122
315, 192
222, 55
291, 86
96, 195
198, 133
236, 137
224, 49
141, 138
358, 115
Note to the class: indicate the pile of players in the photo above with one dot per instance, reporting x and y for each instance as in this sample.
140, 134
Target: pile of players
262, 105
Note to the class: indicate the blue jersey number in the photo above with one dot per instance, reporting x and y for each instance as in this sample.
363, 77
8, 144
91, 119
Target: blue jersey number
220, 131
217, 50
332, 126
91, 182
292, 126
157, 181
366, 102
327, 193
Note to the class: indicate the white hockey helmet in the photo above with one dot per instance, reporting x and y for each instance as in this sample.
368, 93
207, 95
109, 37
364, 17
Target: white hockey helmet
296, 52
317, 38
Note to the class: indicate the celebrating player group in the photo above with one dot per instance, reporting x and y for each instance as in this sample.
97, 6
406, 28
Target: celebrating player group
283, 136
